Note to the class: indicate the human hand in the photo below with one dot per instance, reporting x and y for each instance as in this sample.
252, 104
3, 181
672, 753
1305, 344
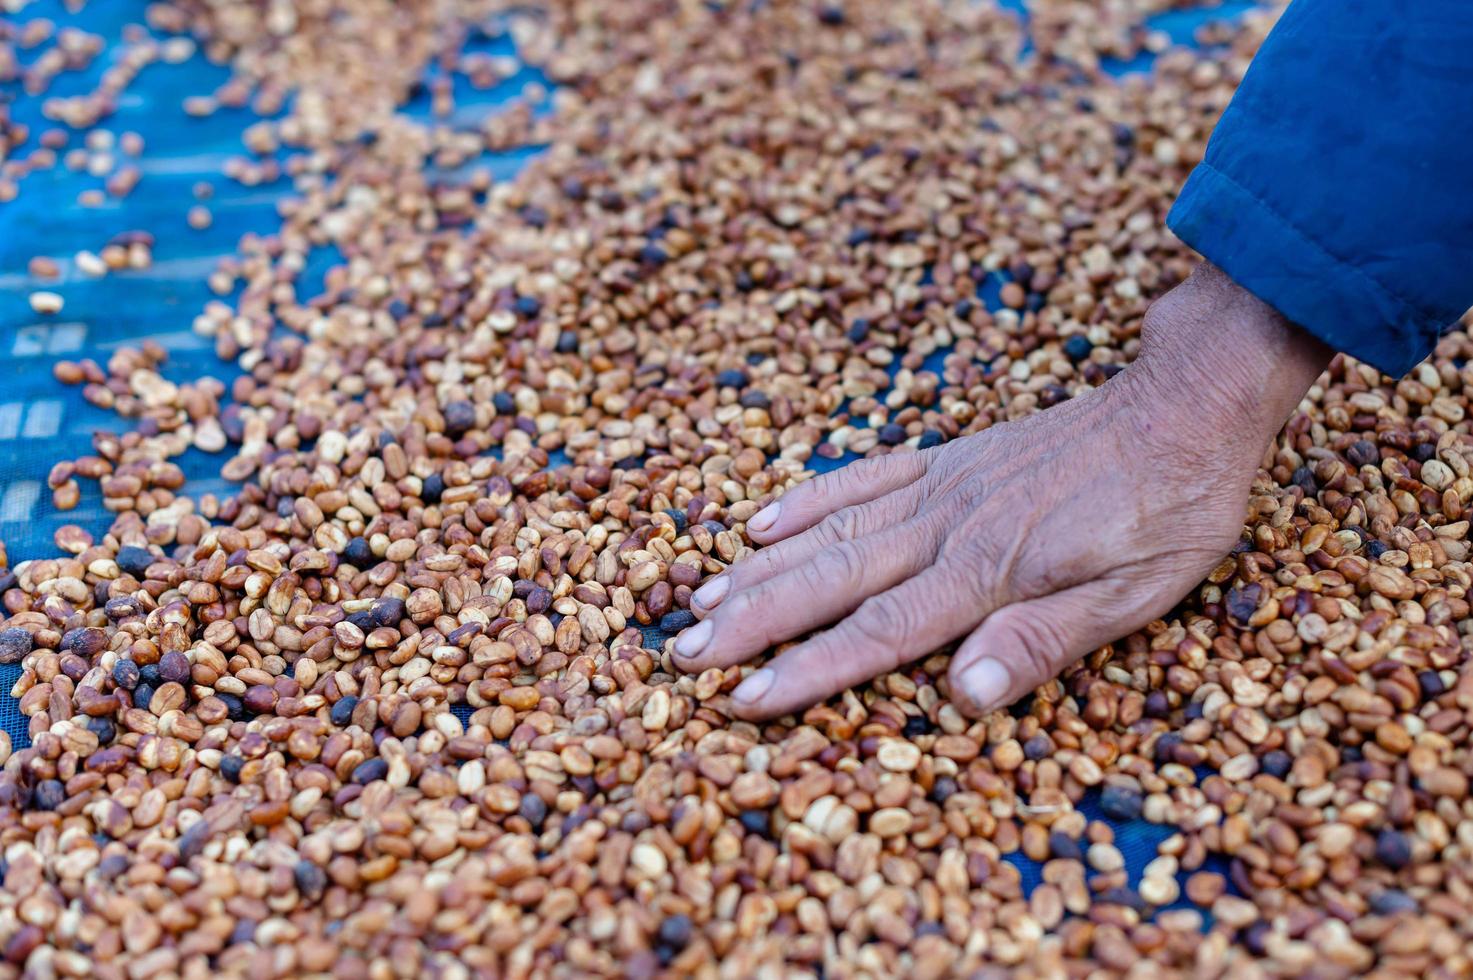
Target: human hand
1034, 542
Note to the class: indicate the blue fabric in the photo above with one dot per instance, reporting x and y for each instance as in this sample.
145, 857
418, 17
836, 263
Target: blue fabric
1338, 186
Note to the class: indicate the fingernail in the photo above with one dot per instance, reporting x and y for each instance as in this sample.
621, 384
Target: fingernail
693, 640
764, 518
709, 596
755, 686
985, 683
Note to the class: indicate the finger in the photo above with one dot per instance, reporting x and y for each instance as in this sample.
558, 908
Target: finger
808, 503
886, 631
850, 524
817, 592
1025, 644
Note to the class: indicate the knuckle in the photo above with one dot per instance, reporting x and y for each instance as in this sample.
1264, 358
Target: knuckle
761, 564
986, 576
827, 655
883, 619
845, 480
840, 526
814, 578
1035, 646
1038, 575
842, 563
742, 608
816, 492
865, 470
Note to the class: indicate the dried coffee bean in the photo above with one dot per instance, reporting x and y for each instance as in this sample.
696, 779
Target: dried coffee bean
679, 619
388, 611
365, 621
1363, 453
1064, 847
174, 666
104, 728
126, 674
460, 418
675, 931
370, 771
342, 710
85, 642
1276, 763
134, 561
311, 880
944, 789
230, 767
122, 607
732, 378
259, 699
358, 554
1121, 802
15, 643
755, 399
533, 810
1393, 849
756, 822
1390, 901
48, 795
235, 709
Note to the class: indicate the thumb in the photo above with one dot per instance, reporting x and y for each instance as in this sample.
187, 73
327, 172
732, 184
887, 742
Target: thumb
1026, 644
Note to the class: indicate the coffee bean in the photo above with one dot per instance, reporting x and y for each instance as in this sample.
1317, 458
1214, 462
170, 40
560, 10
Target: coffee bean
1064, 848
1120, 802
1363, 453
679, 619
1276, 763
311, 880
460, 417
174, 666
48, 795
388, 611
230, 767
533, 810
370, 771
342, 710
134, 561
1393, 849
675, 931
125, 674
15, 643
732, 378
358, 554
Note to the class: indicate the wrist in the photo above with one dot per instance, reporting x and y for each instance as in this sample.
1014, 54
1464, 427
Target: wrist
1225, 358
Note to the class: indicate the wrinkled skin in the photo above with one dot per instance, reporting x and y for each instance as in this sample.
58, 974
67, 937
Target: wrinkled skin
1031, 543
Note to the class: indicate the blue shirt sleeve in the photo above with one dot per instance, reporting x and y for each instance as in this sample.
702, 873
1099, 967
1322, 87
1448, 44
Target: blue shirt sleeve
1338, 185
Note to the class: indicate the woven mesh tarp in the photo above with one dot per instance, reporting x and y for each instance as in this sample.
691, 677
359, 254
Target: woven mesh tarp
42, 422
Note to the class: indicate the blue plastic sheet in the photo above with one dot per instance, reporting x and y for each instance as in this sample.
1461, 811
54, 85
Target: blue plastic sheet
42, 422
